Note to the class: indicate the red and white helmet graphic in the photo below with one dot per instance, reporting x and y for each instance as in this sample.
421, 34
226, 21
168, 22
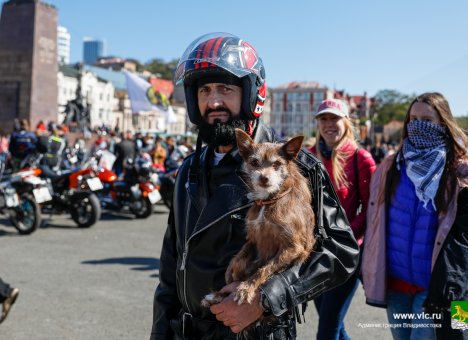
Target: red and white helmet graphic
218, 54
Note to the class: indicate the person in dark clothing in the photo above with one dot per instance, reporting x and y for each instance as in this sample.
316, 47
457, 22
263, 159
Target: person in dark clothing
124, 151
224, 82
55, 147
8, 297
378, 153
22, 143
52, 146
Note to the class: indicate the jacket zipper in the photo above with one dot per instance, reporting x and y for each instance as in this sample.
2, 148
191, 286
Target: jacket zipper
186, 248
184, 258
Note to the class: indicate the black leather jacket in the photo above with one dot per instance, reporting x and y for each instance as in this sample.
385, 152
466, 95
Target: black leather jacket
206, 229
449, 281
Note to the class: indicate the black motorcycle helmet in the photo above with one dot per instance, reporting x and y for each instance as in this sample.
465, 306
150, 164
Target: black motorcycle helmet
223, 57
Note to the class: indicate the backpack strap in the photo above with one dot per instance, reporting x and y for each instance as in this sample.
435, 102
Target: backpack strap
356, 174
356, 178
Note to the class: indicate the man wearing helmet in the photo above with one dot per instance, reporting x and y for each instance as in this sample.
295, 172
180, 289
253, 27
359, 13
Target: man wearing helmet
224, 82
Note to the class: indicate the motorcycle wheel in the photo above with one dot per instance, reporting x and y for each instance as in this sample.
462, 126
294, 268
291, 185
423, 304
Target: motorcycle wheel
27, 216
85, 210
142, 208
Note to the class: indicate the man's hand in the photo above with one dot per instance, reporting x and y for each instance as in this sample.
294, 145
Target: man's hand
235, 316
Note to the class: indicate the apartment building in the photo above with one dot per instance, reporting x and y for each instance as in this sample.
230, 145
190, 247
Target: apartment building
63, 45
293, 106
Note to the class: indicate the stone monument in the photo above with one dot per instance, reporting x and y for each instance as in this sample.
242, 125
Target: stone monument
28, 62
76, 113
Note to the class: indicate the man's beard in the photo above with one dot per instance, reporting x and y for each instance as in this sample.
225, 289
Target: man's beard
218, 133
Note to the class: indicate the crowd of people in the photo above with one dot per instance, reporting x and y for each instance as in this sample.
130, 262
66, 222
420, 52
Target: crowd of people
392, 219
52, 139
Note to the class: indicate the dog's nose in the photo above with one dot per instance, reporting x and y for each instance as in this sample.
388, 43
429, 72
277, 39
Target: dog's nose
263, 180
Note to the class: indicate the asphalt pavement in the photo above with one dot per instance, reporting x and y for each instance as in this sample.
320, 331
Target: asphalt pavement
98, 283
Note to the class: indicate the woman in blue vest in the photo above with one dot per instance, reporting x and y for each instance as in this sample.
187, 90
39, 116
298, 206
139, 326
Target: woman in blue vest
415, 257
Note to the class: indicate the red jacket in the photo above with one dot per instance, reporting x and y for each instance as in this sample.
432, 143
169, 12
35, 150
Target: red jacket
348, 195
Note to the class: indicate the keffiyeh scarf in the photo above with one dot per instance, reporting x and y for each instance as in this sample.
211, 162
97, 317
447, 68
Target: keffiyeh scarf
424, 153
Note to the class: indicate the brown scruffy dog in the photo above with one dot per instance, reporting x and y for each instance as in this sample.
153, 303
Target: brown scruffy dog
280, 223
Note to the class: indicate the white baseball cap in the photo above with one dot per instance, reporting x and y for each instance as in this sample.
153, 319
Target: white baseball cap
333, 106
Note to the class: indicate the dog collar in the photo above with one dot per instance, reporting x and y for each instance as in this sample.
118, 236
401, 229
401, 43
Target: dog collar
273, 200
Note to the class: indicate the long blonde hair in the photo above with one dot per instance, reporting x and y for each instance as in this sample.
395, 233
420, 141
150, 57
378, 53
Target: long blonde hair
338, 157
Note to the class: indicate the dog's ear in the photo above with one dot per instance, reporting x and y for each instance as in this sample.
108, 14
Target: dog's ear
244, 143
291, 148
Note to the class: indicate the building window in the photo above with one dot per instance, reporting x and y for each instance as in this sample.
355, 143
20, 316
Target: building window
135, 120
277, 97
289, 107
292, 96
318, 97
304, 96
278, 107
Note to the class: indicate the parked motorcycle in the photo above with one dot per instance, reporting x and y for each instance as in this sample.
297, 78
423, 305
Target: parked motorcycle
134, 190
72, 192
20, 195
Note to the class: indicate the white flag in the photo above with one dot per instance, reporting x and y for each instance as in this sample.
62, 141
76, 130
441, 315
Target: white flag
140, 92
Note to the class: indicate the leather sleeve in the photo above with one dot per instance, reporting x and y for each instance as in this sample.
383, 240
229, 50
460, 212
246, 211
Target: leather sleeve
166, 304
449, 281
332, 262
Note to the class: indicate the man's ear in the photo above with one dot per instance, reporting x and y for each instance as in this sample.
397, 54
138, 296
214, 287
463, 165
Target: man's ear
244, 143
291, 148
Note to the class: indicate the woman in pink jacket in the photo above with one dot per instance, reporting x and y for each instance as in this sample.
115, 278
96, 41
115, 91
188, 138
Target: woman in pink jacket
415, 259
350, 169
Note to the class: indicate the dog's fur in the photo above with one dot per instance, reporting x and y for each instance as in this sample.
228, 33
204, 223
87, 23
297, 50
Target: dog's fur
280, 224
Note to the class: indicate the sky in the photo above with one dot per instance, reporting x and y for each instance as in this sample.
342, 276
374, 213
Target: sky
358, 46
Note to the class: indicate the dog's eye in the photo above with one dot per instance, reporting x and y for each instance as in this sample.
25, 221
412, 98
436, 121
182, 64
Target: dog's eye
255, 163
277, 165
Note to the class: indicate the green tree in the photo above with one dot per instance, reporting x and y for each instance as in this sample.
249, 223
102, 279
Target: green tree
391, 105
164, 70
139, 66
462, 122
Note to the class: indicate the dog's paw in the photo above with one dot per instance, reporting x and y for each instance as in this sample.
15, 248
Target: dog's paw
244, 293
211, 299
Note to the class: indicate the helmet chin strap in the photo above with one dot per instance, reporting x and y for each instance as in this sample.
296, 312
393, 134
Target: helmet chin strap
194, 170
